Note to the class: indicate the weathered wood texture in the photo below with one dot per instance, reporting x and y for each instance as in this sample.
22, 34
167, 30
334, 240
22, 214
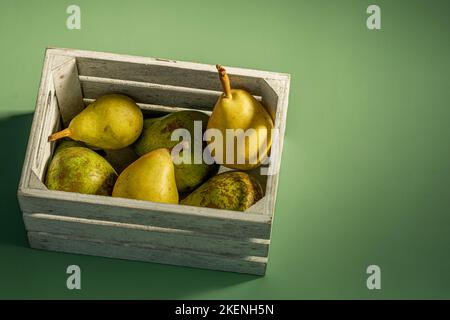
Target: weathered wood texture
142, 230
68, 90
212, 221
95, 247
150, 93
129, 234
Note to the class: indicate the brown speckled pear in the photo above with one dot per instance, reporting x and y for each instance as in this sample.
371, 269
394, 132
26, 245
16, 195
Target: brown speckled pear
151, 178
78, 169
112, 121
233, 190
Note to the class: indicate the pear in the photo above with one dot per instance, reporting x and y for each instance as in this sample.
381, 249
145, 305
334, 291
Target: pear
237, 109
157, 134
67, 143
121, 158
190, 175
112, 121
157, 131
151, 177
79, 169
232, 190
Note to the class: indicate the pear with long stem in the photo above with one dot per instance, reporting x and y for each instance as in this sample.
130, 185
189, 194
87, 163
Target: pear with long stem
245, 127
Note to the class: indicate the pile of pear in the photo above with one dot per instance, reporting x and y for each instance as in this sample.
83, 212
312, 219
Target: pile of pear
109, 149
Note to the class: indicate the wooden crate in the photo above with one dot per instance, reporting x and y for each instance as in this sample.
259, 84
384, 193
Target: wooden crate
133, 229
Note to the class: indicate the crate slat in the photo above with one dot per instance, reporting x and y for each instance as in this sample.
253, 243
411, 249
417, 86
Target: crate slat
168, 72
150, 93
139, 234
159, 110
204, 220
78, 245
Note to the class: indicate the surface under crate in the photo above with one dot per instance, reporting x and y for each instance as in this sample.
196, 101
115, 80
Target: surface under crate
142, 230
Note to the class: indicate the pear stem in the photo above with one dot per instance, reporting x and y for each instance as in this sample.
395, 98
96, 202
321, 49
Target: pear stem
60, 134
224, 80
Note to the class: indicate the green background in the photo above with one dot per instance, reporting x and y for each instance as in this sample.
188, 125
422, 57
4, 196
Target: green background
366, 163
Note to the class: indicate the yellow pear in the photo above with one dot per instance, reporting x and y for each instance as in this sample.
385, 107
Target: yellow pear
238, 110
151, 177
112, 121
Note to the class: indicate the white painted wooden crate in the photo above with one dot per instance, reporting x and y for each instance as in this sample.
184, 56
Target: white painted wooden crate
133, 229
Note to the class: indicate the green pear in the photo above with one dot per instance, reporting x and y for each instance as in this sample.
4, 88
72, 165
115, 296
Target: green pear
232, 190
157, 131
237, 109
79, 169
67, 143
157, 134
112, 121
151, 178
190, 175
